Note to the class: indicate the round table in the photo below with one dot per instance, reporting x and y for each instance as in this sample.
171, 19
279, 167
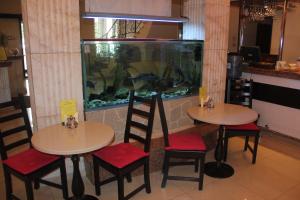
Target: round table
59, 140
222, 114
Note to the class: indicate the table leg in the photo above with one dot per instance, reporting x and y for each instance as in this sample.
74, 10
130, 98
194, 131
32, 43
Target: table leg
77, 182
218, 169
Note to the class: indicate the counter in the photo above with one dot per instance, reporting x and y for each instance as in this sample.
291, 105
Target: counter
272, 72
276, 96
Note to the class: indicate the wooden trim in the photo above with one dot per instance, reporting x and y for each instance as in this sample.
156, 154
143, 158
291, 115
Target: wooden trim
15, 16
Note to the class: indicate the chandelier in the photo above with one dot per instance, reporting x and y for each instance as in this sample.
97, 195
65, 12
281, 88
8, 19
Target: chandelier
258, 10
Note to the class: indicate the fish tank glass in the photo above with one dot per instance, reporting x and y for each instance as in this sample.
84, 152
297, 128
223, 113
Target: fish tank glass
111, 68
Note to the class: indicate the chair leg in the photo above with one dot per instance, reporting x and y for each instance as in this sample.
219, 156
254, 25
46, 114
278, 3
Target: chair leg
64, 180
255, 148
225, 147
201, 172
29, 190
120, 179
196, 164
164, 164
8, 184
96, 177
166, 171
128, 177
147, 176
246, 143
36, 184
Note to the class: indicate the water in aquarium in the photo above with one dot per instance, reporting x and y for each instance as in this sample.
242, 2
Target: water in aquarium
111, 68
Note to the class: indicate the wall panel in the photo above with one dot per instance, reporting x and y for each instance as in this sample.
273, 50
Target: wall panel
215, 47
53, 47
209, 20
136, 7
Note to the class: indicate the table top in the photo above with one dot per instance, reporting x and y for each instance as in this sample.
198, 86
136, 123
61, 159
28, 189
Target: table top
59, 140
223, 114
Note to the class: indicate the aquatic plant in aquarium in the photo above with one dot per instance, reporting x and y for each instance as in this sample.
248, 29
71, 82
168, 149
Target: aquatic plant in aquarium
113, 67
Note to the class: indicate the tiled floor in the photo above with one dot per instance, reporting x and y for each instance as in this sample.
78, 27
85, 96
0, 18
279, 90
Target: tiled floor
276, 176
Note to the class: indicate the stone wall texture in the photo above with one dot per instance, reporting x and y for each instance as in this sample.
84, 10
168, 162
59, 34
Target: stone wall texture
175, 109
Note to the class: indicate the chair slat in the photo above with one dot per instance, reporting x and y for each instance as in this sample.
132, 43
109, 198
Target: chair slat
14, 130
7, 104
11, 117
140, 112
15, 144
139, 125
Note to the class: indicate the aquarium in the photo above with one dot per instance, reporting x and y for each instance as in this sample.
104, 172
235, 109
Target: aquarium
113, 67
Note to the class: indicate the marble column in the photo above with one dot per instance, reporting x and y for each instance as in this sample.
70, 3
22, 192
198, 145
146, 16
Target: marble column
209, 20
194, 29
52, 36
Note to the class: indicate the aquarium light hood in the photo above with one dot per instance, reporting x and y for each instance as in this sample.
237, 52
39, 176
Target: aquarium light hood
135, 17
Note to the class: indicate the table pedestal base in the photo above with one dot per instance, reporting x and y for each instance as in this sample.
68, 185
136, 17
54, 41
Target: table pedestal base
77, 182
85, 197
218, 170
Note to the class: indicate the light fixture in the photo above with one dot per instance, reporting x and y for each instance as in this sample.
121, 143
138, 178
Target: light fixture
135, 17
259, 10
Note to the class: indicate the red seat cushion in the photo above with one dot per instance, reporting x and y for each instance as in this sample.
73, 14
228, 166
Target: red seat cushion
120, 155
186, 141
29, 161
243, 127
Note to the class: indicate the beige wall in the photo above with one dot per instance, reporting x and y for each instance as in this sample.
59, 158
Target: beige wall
159, 30
53, 53
209, 20
291, 49
292, 38
215, 47
276, 32
194, 29
136, 7
149, 30
87, 29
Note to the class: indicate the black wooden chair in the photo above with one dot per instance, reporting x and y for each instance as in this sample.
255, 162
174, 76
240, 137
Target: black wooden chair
29, 165
121, 159
241, 94
183, 146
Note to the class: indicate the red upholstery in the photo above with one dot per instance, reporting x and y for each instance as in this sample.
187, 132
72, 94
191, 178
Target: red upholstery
120, 155
243, 127
29, 161
186, 141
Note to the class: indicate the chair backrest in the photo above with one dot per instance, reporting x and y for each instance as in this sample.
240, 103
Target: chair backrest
147, 116
240, 92
11, 111
163, 119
